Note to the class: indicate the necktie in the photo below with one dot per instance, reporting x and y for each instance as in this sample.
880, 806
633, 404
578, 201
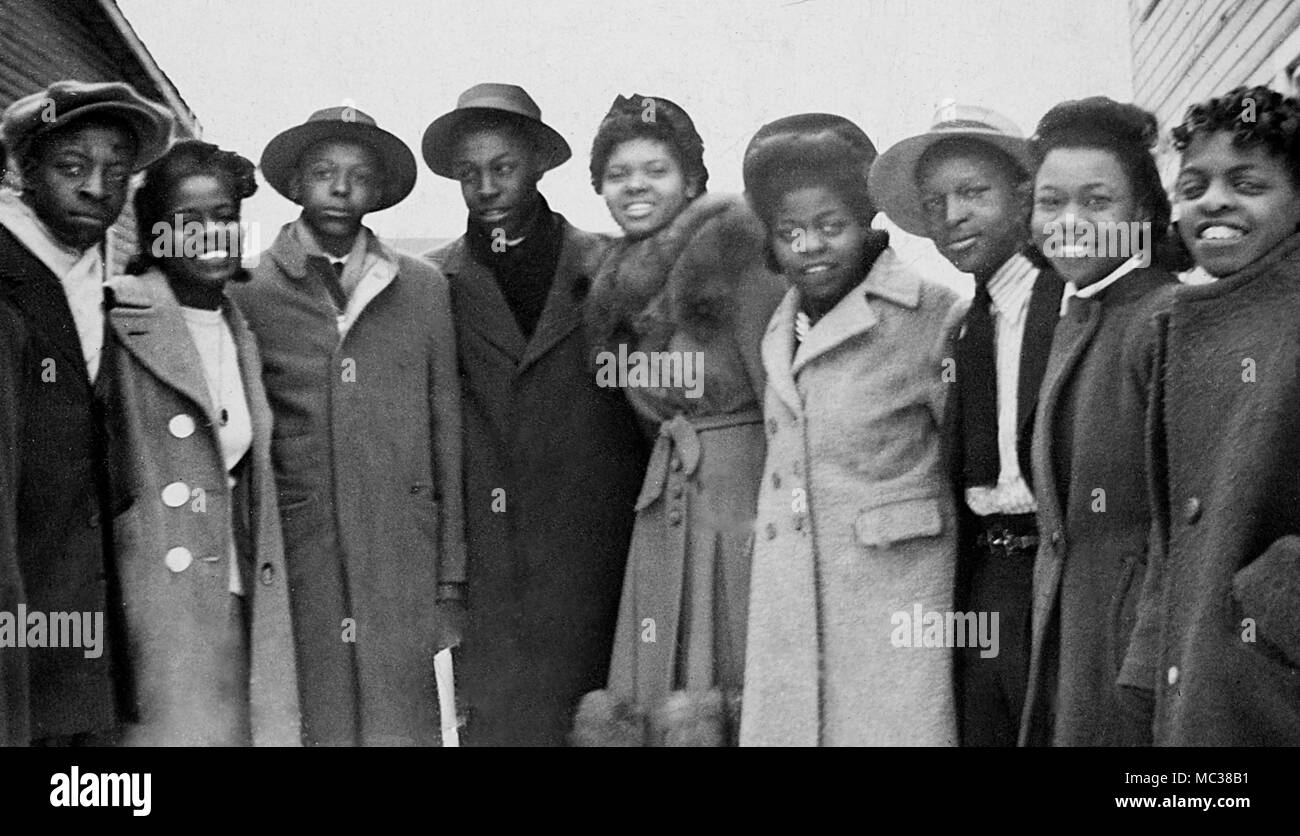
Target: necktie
334, 284
977, 379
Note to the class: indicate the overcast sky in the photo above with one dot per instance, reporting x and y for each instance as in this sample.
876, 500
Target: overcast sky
251, 68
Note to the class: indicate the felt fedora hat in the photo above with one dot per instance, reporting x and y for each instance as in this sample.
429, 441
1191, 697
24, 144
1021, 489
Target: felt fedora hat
492, 101
66, 102
893, 175
348, 124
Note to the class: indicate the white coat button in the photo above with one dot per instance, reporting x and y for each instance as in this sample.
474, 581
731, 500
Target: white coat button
176, 494
178, 559
1173, 674
181, 426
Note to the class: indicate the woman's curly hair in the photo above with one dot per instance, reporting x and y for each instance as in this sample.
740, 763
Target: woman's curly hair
1130, 134
649, 117
1256, 117
185, 158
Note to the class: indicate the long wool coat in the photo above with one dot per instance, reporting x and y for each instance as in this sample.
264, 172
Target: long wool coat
1089, 469
553, 465
162, 438
855, 521
63, 510
367, 459
14, 714
697, 288
1217, 641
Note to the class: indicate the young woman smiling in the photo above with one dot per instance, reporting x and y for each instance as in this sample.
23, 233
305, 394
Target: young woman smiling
686, 278
200, 563
856, 528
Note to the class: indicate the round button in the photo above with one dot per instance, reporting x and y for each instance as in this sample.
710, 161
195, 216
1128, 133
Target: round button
176, 494
1056, 538
1173, 674
1192, 509
771, 531
178, 559
181, 426
798, 523
674, 517
677, 463
776, 481
677, 491
771, 426
268, 573
93, 519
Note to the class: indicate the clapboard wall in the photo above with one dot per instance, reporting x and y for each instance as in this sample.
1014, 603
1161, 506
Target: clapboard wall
1185, 51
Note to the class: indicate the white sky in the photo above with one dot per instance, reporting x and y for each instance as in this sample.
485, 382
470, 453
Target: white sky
251, 68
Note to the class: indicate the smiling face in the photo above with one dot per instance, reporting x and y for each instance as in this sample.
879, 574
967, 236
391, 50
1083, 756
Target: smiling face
498, 175
206, 245
1086, 188
1235, 204
336, 183
77, 182
818, 243
975, 211
644, 187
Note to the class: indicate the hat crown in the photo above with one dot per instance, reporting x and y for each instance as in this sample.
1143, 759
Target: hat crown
951, 116
342, 113
494, 96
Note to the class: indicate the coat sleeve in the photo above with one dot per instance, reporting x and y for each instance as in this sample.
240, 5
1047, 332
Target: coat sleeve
942, 361
14, 711
448, 444
757, 296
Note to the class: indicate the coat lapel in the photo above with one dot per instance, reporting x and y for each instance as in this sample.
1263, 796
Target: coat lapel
479, 303
562, 312
1040, 324
854, 314
38, 295
778, 347
146, 319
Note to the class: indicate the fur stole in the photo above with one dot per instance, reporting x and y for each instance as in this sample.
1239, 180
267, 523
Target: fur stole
681, 278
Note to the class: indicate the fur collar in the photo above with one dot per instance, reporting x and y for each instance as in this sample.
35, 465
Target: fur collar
681, 278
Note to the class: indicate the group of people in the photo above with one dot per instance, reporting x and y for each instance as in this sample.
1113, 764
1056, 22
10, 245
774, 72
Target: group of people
1064, 513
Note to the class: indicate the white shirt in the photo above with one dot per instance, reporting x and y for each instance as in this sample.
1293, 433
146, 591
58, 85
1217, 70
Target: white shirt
1010, 288
80, 273
216, 347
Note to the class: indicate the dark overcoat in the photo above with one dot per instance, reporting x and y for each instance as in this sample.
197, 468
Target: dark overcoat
63, 518
14, 715
1092, 515
553, 467
1217, 642
366, 446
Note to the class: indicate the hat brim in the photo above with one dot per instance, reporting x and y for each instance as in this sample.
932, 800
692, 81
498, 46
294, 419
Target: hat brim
282, 153
153, 133
892, 181
440, 138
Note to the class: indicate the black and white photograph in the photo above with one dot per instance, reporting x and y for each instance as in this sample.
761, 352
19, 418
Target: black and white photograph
912, 374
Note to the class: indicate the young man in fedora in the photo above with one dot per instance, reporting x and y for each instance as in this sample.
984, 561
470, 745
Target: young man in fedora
359, 363
553, 462
75, 146
966, 185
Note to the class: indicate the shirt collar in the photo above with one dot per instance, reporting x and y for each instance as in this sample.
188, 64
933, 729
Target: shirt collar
1011, 284
28, 228
1097, 287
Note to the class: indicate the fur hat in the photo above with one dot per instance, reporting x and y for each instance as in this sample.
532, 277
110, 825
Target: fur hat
807, 148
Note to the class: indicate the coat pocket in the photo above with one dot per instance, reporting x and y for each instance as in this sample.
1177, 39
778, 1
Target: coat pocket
1267, 590
899, 515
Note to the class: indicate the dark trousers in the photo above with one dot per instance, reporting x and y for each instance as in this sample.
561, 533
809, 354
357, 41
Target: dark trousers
991, 691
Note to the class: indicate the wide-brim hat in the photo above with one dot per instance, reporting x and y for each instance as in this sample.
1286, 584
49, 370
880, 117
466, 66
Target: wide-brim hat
344, 124
66, 102
893, 175
491, 101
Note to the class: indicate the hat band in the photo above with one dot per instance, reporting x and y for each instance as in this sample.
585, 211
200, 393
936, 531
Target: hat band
965, 123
